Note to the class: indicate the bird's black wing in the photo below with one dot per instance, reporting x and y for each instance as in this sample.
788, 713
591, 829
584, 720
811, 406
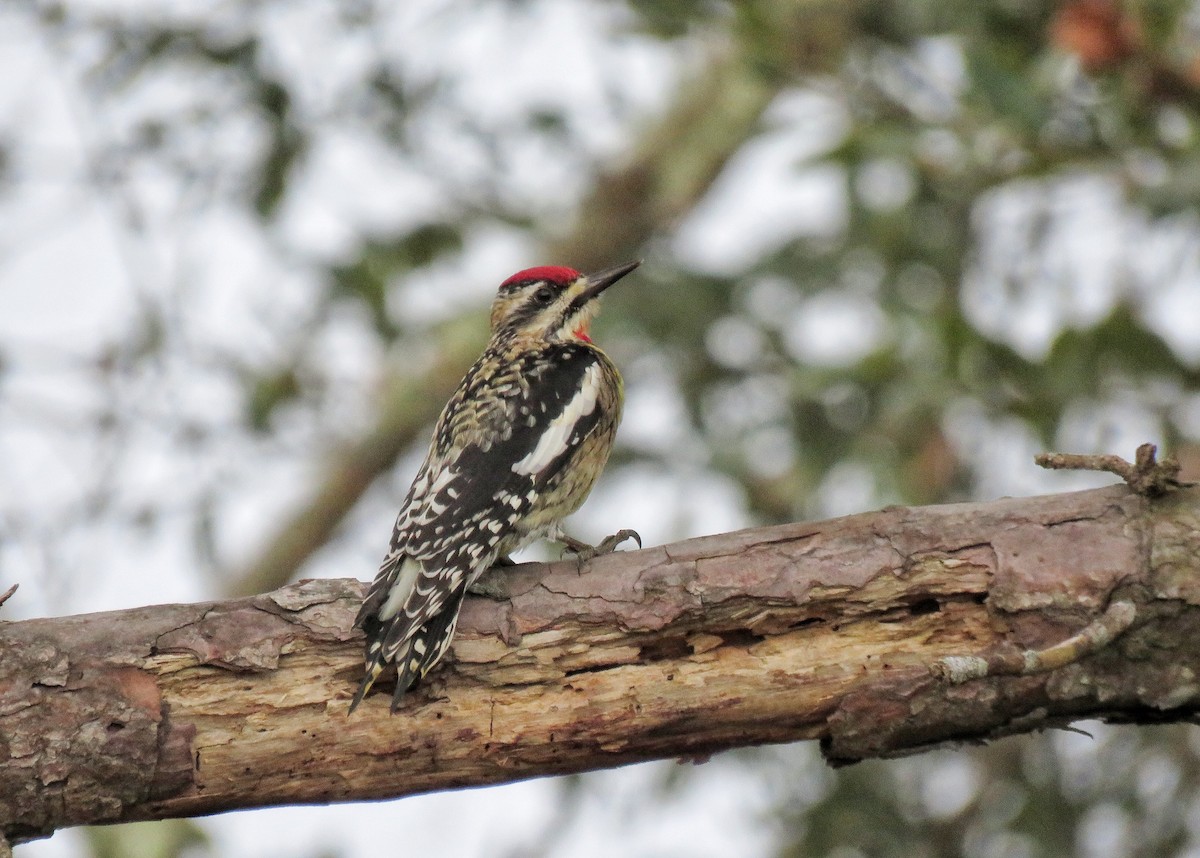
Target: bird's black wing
472, 492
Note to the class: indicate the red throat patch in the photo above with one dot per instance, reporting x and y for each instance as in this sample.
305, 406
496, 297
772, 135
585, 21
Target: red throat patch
581, 333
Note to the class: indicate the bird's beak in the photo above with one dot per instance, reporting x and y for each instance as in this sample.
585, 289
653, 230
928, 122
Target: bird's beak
601, 280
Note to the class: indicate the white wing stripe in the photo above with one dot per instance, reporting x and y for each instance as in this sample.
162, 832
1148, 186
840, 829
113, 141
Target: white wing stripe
553, 442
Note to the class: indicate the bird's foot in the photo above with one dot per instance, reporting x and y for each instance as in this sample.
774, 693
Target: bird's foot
494, 587
584, 552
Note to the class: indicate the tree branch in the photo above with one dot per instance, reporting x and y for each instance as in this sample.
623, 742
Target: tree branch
827, 631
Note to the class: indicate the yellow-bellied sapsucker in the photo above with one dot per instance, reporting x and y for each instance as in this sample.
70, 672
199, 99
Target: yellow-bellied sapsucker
516, 450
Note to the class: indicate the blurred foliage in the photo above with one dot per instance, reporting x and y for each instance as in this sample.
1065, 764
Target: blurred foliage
165, 839
1121, 792
377, 263
1008, 238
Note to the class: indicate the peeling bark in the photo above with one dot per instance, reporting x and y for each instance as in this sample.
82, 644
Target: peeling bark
831, 631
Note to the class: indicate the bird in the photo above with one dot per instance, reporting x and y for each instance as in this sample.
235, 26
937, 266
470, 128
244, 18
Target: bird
516, 450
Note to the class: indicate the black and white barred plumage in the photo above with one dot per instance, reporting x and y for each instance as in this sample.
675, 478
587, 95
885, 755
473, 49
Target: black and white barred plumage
516, 449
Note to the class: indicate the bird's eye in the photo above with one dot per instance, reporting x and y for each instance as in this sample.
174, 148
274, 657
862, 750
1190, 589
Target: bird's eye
544, 295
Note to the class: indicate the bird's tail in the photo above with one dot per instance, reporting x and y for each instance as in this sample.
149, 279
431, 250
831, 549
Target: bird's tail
375, 665
425, 649
414, 657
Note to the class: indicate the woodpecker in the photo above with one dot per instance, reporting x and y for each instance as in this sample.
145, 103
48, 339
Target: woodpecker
515, 451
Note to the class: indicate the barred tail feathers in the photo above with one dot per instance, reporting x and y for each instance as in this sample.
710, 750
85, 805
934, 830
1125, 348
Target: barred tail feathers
413, 656
426, 648
375, 665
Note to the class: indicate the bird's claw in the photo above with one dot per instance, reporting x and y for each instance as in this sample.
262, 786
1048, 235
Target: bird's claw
584, 552
609, 544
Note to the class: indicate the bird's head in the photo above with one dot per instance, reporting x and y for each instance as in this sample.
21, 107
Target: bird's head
551, 303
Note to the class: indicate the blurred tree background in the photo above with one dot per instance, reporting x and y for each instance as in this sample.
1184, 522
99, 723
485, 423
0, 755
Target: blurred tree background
892, 251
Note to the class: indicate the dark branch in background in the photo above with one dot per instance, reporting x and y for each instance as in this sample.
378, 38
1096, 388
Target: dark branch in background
406, 408
668, 173
821, 631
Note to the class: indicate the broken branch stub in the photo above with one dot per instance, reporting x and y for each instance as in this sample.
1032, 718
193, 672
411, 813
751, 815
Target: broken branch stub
1145, 474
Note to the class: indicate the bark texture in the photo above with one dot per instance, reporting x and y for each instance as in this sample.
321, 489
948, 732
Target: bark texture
827, 630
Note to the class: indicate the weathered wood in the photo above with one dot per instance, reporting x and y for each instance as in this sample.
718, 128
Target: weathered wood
827, 631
